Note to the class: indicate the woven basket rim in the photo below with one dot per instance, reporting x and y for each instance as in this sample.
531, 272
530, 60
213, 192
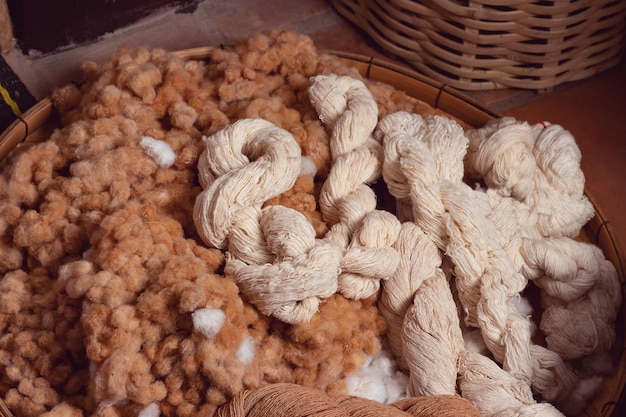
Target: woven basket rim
440, 96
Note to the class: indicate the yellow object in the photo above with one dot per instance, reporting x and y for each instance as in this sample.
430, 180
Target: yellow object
6, 97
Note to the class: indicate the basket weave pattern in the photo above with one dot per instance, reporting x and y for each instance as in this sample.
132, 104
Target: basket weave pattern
490, 44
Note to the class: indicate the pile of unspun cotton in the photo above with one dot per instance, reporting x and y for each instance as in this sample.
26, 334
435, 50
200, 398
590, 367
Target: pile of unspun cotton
206, 238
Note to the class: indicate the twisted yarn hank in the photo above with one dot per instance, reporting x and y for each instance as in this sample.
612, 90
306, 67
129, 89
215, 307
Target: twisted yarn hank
297, 401
456, 218
305, 269
424, 330
419, 260
495, 393
432, 339
580, 288
347, 203
540, 167
580, 295
273, 254
242, 166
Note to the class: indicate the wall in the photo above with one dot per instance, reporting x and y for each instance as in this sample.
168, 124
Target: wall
43, 26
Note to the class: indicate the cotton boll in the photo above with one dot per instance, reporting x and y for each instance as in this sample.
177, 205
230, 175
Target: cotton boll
474, 342
208, 321
158, 150
521, 304
379, 379
524, 308
109, 402
307, 167
246, 350
576, 402
397, 387
151, 410
367, 383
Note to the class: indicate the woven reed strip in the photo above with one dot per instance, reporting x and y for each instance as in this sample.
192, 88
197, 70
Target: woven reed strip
487, 44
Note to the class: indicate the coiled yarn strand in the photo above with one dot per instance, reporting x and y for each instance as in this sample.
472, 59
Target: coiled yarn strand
273, 254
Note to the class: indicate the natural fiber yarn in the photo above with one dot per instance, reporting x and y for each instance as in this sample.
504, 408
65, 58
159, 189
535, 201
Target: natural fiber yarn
550, 208
456, 218
347, 203
539, 166
273, 254
580, 298
370, 257
432, 339
297, 401
243, 165
438, 406
424, 330
495, 393
305, 269
419, 260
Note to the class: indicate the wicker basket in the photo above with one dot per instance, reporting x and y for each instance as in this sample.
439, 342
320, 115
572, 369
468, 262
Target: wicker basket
490, 44
38, 122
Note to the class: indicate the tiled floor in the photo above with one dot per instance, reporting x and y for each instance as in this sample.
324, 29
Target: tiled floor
594, 110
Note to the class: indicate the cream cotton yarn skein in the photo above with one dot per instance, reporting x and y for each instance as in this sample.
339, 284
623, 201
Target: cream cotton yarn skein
244, 165
580, 288
456, 218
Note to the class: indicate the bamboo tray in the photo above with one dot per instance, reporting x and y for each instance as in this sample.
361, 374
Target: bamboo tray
39, 121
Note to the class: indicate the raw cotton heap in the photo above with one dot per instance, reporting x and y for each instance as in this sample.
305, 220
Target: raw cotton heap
110, 302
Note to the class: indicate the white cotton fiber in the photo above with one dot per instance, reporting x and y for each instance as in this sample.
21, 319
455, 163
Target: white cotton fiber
524, 308
307, 166
379, 379
576, 402
474, 342
158, 150
150, 410
521, 304
208, 321
246, 350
